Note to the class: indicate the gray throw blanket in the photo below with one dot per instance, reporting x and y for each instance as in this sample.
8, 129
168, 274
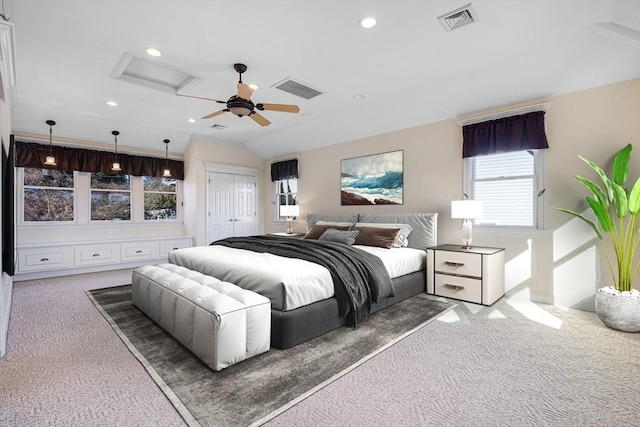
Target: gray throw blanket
359, 278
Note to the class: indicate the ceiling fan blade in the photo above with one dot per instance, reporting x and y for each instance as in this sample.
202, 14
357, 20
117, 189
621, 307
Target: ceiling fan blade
206, 99
217, 113
285, 108
244, 91
259, 119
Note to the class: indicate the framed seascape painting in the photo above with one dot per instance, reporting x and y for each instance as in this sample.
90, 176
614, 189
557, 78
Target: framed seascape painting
372, 180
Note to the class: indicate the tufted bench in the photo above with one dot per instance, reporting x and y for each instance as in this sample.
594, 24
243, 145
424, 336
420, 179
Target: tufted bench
219, 322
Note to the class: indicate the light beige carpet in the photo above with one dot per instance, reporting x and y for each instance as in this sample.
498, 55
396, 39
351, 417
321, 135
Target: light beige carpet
512, 364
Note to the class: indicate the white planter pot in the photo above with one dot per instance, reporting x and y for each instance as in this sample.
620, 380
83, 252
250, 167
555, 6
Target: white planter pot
619, 310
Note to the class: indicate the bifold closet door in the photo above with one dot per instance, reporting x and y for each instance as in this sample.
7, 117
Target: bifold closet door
231, 206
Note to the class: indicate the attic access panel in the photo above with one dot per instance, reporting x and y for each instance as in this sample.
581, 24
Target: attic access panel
153, 74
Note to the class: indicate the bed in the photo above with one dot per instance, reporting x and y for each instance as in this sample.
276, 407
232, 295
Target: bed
305, 299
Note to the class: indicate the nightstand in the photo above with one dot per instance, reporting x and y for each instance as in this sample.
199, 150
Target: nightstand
294, 235
475, 275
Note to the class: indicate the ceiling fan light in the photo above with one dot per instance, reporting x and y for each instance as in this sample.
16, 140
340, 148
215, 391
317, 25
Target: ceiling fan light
240, 111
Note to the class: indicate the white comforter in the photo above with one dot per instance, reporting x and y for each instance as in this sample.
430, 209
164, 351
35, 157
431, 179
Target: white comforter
289, 283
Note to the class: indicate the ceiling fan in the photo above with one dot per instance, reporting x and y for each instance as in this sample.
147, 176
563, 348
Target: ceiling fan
241, 104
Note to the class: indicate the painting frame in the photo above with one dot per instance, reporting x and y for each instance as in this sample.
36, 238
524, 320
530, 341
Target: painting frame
373, 179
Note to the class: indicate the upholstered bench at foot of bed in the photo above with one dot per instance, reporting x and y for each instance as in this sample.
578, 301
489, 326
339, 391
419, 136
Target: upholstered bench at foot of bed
219, 322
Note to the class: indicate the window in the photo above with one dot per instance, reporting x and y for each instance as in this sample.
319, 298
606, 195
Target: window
48, 195
286, 194
110, 197
160, 198
510, 185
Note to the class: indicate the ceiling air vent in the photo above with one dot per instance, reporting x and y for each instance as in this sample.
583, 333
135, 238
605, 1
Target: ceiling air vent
297, 88
153, 74
457, 18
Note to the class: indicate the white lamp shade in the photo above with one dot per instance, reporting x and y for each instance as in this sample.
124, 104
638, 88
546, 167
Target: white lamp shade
467, 209
289, 210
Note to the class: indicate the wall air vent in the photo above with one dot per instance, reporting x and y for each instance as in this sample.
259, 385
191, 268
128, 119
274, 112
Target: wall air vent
296, 88
457, 18
153, 74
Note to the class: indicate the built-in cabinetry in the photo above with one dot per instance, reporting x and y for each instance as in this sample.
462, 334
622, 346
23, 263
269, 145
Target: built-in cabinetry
38, 261
474, 275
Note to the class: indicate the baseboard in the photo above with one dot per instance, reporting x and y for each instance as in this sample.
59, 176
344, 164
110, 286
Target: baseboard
82, 270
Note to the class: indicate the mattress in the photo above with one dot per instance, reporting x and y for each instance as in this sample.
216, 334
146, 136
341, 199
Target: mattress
288, 283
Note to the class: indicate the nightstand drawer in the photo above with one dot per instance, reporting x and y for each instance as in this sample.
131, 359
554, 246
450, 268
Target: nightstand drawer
460, 263
457, 287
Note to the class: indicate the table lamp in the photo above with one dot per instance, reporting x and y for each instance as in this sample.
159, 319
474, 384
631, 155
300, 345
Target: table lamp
467, 210
289, 211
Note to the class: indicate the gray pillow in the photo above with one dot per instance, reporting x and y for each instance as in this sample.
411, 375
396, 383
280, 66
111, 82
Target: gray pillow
341, 236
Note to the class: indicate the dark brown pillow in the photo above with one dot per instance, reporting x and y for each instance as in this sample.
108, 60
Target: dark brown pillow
373, 236
317, 230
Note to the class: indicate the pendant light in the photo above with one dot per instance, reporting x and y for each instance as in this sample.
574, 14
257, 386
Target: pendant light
116, 165
50, 159
167, 172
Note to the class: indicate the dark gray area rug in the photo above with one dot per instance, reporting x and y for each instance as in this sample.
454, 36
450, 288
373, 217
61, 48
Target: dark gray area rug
257, 389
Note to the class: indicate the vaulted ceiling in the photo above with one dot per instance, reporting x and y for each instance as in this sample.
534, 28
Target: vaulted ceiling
407, 70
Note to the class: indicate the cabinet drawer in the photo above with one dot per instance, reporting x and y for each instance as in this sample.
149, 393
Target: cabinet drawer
465, 264
138, 251
44, 259
172, 245
97, 254
462, 288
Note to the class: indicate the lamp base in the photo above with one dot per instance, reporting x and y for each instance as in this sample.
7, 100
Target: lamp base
467, 227
289, 225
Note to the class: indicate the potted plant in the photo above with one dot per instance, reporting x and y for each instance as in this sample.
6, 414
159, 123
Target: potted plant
617, 211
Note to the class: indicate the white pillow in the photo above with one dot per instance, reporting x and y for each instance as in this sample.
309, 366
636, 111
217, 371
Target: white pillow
401, 241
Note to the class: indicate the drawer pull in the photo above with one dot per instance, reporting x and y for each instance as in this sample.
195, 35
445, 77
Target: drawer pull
95, 255
44, 259
138, 251
454, 288
453, 264
175, 248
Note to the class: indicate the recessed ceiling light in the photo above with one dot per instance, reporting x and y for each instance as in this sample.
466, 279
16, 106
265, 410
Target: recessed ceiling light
152, 51
368, 22
112, 103
254, 86
191, 120
359, 96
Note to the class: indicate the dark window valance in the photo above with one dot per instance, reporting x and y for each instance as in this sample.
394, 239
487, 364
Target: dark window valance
284, 170
515, 133
32, 155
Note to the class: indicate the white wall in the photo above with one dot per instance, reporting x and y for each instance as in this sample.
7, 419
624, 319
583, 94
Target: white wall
594, 123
